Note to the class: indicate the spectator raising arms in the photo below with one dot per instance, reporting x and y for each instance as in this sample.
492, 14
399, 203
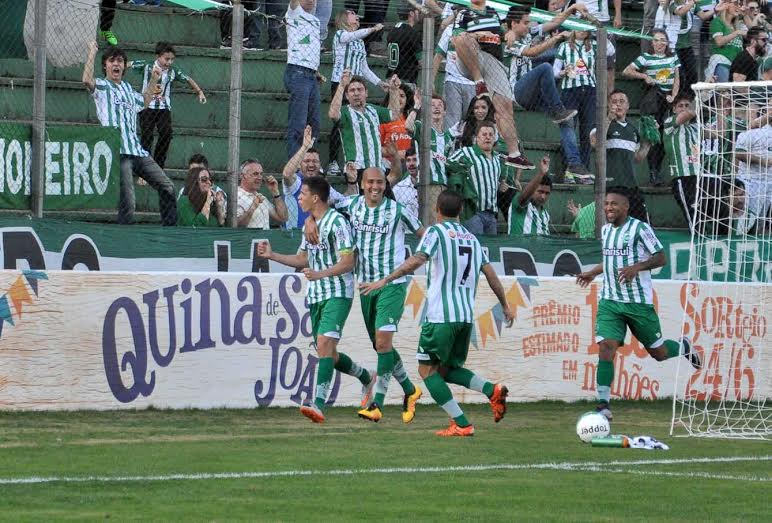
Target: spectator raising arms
395, 130
727, 42
117, 105
200, 206
660, 72
349, 53
676, 18
255, 211
404, 45
158, 114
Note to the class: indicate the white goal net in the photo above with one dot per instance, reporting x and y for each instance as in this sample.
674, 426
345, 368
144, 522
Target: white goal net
726, 300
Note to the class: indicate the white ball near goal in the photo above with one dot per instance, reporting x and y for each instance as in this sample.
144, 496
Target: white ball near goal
592, 425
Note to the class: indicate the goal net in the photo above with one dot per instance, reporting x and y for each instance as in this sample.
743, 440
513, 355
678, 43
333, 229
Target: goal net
726, 298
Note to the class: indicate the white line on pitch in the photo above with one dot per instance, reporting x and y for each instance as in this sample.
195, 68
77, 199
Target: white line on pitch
611, 466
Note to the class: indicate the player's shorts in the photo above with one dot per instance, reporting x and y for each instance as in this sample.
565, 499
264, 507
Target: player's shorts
445, 344
614, 317
494, 73
383, 308
329, 316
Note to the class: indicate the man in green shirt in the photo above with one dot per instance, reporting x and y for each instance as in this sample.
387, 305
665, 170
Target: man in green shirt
328, 266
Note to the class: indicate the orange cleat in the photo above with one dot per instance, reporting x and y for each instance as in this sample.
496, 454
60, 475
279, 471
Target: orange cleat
454, 430
499, 402
313, 413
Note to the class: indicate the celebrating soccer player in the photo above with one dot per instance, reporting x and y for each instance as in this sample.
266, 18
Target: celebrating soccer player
455, 259
328, 266
630, 252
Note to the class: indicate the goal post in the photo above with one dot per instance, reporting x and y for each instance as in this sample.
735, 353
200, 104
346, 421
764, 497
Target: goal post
726, 299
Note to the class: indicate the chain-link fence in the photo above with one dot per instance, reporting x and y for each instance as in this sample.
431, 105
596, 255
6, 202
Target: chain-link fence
186, 98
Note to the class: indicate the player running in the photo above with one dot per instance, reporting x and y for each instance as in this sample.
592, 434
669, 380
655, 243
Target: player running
328, 266
379, 225
455, 261
630, 252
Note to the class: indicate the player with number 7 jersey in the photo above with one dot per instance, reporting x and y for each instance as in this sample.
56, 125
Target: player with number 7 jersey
456, 259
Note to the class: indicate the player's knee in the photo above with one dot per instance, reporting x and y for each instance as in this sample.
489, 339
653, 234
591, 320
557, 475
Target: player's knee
606, 350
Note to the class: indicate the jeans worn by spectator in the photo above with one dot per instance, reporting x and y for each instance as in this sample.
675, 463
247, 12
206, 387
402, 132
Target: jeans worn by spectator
303, 87
273, 11
457, 98
649, 16
688, 70
146, 168
536, 91
583, 100
149, 120
483, 222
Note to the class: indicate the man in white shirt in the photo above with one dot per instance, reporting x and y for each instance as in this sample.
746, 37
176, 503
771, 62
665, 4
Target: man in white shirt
753, 149
302, 78
255, 211
406, 192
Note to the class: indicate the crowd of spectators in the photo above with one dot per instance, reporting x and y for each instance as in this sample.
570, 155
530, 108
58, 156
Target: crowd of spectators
494, 67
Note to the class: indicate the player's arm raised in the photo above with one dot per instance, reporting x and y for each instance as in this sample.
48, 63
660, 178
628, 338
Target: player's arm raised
585, 278
495, 284
409, 266
345, 264
626, 274
297, 261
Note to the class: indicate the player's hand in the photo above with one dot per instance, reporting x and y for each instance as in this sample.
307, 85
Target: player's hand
627, 274
93, 48
394, 82
345, 78
544, 165
311, 275
584, 279
273, 185
311, 231
367, 288
350, 171
509, 316
573, 208
308, 137
201, 97
264, 249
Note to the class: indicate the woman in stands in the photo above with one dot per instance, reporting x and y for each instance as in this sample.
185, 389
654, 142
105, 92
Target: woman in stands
349, 53
660, 71
199, 205
727, 41
395, 131
464, 131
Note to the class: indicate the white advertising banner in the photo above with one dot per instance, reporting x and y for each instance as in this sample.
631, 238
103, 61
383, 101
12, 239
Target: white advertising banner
108, 340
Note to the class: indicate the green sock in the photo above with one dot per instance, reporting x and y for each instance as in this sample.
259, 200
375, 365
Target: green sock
400, 374
444, 398
323, 381
385, 368
470, 380
673, 348
346, 365
604, 376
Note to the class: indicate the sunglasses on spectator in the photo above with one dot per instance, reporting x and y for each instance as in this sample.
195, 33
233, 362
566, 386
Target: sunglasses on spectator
205, 179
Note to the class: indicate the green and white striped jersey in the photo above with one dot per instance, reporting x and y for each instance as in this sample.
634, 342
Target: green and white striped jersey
361, 134
455, 259
681, 147
117, 105
163, 99
335, 239
631, 243
442, 143
528, 220
583, 62
348, 51
379, 236
660, 68
484, 172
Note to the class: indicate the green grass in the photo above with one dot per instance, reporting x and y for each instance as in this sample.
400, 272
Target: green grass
157, 443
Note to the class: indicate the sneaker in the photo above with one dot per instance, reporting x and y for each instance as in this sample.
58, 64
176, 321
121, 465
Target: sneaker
692, 355
226, 43
251, 45
109, 37
313, 413
373, 413
454, 430
408, 405
520, 162
367, 390
481, 90
569, 178
655, 180
563, 115
499, 402
604, 409
580, 174
333, 169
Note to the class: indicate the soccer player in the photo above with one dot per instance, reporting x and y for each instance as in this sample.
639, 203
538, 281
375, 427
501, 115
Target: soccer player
328, 266
527, 212
379, 225
630, 251
455, 261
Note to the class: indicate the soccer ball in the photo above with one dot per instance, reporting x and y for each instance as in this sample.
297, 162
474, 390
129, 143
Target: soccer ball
592, 425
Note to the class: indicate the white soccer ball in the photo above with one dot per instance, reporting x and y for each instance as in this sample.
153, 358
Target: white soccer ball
592, 425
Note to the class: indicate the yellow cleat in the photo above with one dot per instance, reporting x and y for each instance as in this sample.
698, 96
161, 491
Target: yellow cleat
373, 413
408, 405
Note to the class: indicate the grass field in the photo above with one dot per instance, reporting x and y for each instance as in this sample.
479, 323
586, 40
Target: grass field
274, 465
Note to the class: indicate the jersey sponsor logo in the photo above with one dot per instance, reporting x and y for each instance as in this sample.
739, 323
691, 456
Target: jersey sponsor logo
521, 61
461, 235
322, 246
120, 100
367, 227
490, 39
618, 252
662, 75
